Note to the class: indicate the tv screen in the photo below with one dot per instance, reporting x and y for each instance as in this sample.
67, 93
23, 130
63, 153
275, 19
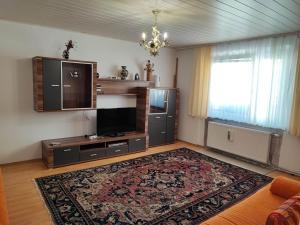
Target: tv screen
118, 120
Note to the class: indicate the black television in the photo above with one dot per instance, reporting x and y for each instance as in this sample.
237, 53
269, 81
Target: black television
116, 121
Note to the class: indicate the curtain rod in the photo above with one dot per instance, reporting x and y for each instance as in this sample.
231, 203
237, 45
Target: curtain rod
238, 40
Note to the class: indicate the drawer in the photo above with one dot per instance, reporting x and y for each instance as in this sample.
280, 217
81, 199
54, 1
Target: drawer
137, 144
117, 150
67, 155
91, 154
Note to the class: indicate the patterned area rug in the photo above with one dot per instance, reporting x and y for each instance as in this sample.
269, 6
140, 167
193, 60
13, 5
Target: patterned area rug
176, 187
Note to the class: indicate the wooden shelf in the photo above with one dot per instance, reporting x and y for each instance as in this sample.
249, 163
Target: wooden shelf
121, 87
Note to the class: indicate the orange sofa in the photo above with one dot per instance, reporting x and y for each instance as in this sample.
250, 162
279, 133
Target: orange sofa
3, 209
255, 209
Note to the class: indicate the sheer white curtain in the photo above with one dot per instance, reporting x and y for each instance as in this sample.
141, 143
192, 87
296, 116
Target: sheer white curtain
253, 81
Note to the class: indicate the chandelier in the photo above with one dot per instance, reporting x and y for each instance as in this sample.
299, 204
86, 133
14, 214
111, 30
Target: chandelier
157, 41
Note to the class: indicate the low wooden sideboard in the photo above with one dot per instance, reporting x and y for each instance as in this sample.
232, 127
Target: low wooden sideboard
73, 150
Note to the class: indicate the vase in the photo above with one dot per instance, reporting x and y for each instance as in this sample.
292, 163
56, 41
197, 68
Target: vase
156, 80
124, 73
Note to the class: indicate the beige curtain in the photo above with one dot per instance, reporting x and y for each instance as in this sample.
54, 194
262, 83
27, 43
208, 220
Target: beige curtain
198, 102
295, 117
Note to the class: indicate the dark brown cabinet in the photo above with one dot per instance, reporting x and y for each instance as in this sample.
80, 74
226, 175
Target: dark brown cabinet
52, 84
157, 129
63, 85
162, 126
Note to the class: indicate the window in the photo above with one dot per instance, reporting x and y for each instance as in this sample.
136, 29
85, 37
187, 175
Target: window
252, 82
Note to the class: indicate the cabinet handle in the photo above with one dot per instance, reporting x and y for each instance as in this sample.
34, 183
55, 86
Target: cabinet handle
67, 85
137, 139
67, 150
163, 132
157, 117
118, 150
170, 116
92, 155
55, 85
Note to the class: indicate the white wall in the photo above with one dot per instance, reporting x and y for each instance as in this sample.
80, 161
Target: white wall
21, 128
290, 154
190, 129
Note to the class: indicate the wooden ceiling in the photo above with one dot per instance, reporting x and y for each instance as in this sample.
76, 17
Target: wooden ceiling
188, 22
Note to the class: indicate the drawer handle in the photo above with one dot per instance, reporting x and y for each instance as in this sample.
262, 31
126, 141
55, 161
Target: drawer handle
67, 85
92, 155
170, 116
67, 150
157, 117
137, 139
55, 85
163, 132
118, 150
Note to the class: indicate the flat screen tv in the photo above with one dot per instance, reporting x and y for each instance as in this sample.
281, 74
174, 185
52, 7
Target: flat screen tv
112, 122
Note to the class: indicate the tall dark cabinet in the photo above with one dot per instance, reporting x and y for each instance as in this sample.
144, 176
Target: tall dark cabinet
162, 117
63, 84
51, 84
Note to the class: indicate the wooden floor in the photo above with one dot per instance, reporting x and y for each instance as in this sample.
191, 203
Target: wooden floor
25, 205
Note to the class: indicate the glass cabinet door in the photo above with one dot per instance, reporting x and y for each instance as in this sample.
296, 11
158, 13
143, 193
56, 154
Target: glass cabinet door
158, 101
77, 85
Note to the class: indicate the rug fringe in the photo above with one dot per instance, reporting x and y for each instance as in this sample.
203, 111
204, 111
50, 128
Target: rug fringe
44, 203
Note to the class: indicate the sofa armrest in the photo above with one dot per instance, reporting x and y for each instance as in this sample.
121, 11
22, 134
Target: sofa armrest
3, 208
285, 187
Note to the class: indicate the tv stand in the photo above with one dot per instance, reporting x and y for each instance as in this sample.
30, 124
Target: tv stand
73, 150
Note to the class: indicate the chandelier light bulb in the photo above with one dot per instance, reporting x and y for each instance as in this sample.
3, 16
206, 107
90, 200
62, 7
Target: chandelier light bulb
165, 36
144, 36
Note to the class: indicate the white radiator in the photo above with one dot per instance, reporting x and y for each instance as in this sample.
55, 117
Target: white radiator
246, 142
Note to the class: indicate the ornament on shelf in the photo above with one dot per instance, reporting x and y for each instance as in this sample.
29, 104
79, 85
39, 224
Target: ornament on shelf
149, 69
66, 53
136, 76
124, 73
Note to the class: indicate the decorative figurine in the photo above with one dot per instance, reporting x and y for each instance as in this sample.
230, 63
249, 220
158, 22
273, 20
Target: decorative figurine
66, 52
124, 73
149, 69
136, 76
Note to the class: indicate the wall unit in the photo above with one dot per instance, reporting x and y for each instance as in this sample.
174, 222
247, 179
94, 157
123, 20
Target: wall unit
163, 115
162, 127
67, 151
60, 84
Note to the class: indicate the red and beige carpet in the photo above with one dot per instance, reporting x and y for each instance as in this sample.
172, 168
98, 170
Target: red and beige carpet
176, 187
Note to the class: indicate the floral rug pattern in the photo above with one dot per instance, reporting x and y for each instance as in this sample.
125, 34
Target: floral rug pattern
176, 187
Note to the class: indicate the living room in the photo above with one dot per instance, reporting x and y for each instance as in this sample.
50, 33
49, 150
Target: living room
150, 112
